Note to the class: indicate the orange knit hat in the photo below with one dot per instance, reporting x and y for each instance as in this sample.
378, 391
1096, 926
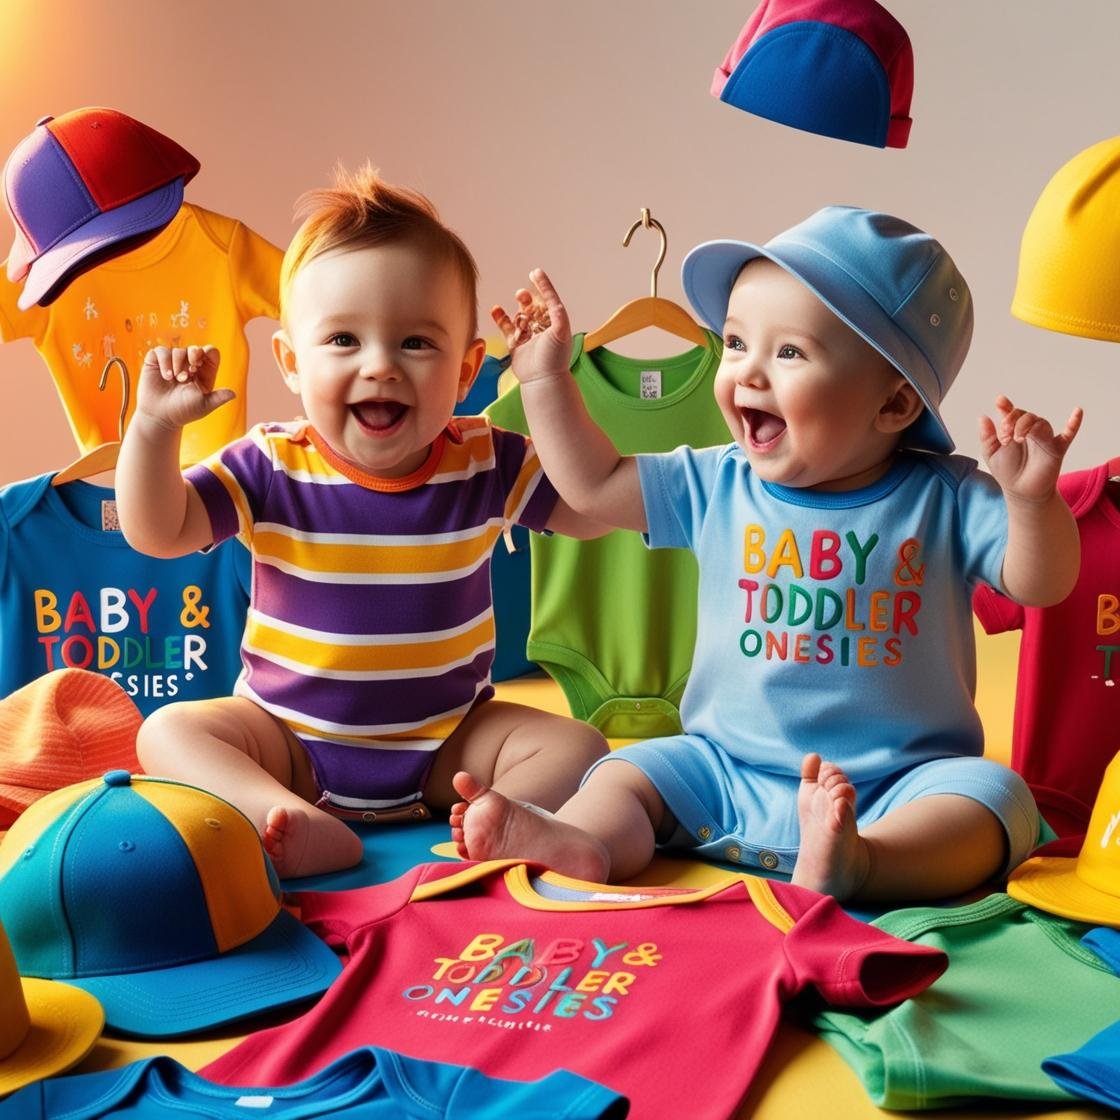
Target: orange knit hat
65, 727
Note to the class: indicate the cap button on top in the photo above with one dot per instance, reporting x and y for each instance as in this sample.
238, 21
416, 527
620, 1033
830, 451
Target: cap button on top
117, 778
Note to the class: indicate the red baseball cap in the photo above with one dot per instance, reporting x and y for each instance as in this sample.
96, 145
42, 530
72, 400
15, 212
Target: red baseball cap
88, 185
64, 727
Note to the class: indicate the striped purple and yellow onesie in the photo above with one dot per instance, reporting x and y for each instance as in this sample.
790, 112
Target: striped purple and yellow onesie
370, 630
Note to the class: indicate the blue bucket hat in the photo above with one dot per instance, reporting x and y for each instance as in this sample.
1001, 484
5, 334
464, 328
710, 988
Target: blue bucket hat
894, 285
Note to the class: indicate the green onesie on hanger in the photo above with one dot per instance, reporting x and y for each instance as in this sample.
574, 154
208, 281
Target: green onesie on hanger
614, 623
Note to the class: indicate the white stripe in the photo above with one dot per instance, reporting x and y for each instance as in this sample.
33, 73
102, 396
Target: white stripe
530, 490
356, 731
305, 670
297, 475
371, 578
379, 540
473, 468
335, 639
360, 803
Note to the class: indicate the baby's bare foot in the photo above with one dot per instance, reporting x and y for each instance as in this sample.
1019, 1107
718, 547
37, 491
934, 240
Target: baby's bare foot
488, 825
833, 857
308, 842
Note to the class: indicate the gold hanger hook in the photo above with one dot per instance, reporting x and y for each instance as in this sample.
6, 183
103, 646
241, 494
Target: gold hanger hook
125, 389
650, 223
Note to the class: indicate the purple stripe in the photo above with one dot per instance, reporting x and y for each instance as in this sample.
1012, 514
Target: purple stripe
348, 508
361, 608
384, 702
215, 497
538, 509
369, 773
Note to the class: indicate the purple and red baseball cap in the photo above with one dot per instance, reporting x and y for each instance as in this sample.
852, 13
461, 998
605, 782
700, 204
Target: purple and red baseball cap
85, 186
840, 68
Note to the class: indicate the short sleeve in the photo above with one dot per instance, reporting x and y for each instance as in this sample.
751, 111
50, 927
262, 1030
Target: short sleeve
14, 323
851, 963
997, 613
528, 496
676, 491
982, 522
233, 484
255, 271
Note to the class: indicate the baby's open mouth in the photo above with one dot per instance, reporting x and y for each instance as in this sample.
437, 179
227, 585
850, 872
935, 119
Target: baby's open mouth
378, 416
763, 428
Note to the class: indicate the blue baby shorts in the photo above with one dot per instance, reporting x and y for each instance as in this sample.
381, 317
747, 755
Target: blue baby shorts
736, 812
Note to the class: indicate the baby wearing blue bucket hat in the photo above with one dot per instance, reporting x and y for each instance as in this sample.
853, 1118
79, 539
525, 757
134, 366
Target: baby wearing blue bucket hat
838, 543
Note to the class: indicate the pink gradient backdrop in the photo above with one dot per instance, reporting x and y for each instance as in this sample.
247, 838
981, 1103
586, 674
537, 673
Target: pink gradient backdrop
540, 136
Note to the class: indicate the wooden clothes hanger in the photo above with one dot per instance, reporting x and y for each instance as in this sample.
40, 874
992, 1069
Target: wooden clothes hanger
104, 456
649, 311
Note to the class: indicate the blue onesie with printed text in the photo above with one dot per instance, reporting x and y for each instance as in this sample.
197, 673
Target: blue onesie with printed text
837, 622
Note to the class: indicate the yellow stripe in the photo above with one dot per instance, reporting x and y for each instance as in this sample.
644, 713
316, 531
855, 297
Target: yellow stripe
240, 502
227, 854
376, 558
37, 817
299, 458
375, 657
767, 905
528, 472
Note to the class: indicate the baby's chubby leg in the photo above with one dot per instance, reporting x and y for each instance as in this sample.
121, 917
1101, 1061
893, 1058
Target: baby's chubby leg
522, 752
240, 752
502, 755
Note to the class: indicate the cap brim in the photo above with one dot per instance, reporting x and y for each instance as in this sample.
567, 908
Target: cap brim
65, 1024
118, 227
285, 964
709, 272
1052, 884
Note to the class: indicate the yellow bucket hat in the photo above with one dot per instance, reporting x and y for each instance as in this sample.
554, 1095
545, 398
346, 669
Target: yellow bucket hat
45, 1027
1069, 257
1086, 888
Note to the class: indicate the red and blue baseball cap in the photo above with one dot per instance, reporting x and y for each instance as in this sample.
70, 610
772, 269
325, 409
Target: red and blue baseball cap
841, 68
158, 899
83, 187
893, 284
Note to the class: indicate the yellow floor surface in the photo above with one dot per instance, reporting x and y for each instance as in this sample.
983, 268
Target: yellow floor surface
802, 1076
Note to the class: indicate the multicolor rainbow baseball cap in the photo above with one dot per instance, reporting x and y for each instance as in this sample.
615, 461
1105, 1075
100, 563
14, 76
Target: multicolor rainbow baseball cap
1085, 888
45, 1027
1069, 255
840, 68
159, 899
85, 186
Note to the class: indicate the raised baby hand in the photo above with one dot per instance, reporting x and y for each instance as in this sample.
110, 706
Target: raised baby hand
538, 334
1023, 452
177, 385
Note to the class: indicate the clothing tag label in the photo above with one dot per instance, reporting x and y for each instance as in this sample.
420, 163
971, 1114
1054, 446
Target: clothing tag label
109, 520
651, 384
253, 1102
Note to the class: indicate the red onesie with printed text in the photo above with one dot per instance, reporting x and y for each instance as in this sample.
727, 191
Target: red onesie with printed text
1067, 699
668, 996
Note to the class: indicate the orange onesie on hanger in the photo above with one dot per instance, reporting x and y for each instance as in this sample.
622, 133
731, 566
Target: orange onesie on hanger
200, 280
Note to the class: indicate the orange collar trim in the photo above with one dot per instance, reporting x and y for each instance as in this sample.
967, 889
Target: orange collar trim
376, 482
